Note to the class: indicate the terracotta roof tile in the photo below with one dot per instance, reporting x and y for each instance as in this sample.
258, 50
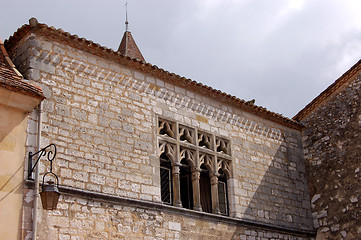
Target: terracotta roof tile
129, 48
11, 79
96, 49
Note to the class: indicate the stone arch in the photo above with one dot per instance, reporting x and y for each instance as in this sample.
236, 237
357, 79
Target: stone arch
225, 165
189, 156
168, 150
207, 161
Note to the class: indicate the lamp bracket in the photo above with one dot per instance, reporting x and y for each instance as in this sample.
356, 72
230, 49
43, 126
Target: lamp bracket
48, 151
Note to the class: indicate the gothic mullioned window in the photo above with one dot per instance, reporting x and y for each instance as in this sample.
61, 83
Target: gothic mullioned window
194, 168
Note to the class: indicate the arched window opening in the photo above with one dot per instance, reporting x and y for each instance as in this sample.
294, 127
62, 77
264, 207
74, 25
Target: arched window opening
186, 190
166, 179
205, 189
222, 193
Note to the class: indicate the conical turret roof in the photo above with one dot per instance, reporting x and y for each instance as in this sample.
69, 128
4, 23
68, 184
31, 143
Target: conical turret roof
129, 48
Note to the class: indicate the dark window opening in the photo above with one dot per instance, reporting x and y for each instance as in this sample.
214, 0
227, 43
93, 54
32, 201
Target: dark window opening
205, 190
166, 185
164, 159
166, 179
186, 189
222, 193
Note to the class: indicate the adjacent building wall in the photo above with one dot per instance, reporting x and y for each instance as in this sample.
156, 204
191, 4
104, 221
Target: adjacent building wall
13, 128
332, 149
103, 118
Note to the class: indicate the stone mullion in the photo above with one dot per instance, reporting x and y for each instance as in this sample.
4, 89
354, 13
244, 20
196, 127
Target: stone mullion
176, 171
214, 180
196, 190
196, 173
214, 189
176, 185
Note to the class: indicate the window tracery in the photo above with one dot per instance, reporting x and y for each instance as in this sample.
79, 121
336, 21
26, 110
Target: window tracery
205, 140
224, 165
188, 155
194, 167
167, 150
207, 161
166, 128
186, 134
222, 146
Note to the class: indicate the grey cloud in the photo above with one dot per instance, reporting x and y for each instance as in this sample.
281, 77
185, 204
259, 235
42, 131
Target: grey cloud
267, 50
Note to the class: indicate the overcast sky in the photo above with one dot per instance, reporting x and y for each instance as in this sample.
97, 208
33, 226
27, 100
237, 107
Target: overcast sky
282, 53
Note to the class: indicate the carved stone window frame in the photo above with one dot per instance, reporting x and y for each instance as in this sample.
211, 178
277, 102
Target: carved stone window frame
196, 146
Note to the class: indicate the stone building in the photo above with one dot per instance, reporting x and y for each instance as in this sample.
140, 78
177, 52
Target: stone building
147, 154
332, 140
18, 97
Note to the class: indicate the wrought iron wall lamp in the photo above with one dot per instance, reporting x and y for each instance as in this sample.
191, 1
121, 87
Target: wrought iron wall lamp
49, 193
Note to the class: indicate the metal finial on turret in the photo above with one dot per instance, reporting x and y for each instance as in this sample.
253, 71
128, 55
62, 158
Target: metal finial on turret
127, 46
126, 17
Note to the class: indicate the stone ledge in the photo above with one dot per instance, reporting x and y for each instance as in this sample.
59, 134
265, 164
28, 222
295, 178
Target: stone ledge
96, 196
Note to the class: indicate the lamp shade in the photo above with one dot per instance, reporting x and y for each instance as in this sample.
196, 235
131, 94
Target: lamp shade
50, 196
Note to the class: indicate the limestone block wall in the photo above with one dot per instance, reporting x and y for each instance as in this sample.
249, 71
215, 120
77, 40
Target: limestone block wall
332, 149
81, 218
103, 118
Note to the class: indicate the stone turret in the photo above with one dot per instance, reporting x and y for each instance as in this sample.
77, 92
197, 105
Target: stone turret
127, 46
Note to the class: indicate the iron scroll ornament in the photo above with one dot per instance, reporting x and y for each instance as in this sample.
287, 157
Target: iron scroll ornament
50, 192
48, 151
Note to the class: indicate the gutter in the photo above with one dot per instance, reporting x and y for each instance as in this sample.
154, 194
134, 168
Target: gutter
36, 179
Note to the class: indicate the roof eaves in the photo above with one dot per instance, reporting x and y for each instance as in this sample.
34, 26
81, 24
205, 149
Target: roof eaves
24, 88
92, 47
11, 78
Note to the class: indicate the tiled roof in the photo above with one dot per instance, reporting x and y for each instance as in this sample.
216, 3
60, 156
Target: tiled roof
129, 48
116, 56
328, 92
11, 79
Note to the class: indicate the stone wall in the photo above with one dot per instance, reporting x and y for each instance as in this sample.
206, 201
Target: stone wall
332, 149
84, 218
103, 118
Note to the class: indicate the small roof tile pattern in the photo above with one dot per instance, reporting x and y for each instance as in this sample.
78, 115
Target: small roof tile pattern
116, 56
11, 79
328, 92
129, 48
